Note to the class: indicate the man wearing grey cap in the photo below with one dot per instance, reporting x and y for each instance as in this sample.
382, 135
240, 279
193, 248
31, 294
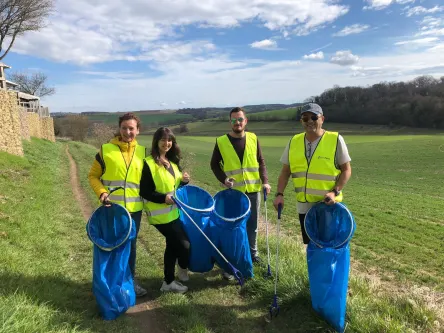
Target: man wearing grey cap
318, 163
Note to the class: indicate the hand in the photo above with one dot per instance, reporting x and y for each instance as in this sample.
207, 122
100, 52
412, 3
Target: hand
104, 199
229, 182
169, 199
185, 177
329, 198
278, 201
267, 188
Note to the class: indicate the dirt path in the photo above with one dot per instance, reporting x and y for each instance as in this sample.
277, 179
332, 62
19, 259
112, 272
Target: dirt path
144, 312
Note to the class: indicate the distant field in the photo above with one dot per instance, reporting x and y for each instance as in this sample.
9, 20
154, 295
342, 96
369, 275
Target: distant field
393, 196
284, 114
288, 128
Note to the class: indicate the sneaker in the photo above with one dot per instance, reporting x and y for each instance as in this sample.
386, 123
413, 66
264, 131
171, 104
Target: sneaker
174, 286
227, 276
139, 291
257, 260
182, 274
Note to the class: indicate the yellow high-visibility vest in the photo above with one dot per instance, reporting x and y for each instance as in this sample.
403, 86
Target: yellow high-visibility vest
246, 175
313, 180
166, 184
118, 174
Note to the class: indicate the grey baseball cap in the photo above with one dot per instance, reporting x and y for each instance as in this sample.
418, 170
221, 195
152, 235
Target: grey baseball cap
313, 108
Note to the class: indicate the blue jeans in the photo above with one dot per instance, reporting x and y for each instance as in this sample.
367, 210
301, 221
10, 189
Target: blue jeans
137, 217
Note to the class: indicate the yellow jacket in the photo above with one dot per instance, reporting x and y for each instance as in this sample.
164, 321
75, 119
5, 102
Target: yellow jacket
96, 171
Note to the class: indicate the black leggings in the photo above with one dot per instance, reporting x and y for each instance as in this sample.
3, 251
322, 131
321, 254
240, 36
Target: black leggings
177, 247
305, 238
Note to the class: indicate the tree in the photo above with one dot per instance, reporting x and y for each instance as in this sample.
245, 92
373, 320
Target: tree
20, 16
34, 84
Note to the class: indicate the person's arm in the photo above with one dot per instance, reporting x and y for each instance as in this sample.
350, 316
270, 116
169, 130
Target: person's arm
216, 159
344, 176
283, 178
148, 188
94, 175
262, 169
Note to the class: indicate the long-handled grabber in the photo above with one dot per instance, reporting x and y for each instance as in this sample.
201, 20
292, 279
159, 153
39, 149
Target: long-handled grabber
268, 274
236, 273
274, 308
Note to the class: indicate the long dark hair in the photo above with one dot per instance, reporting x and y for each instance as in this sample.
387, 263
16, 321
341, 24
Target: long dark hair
174, 154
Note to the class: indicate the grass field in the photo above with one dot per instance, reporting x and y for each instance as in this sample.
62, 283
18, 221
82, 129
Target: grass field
390, 193
45, 256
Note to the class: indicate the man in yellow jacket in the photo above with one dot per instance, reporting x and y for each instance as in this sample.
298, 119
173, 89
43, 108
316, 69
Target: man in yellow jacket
237, 163
318, 163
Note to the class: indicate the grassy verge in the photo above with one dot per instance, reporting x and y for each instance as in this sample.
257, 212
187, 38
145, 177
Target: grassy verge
214, 305
45, 256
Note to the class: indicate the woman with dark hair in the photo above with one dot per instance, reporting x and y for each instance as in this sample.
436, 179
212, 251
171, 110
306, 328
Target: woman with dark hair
119, 164
161, 177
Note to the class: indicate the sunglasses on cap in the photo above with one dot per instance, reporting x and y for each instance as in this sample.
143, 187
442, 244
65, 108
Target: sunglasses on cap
307, 118
234, 120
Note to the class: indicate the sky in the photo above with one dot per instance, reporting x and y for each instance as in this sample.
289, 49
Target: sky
118, 55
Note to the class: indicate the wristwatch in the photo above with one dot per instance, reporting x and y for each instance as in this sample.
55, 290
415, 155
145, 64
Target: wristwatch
278, 194
336, 192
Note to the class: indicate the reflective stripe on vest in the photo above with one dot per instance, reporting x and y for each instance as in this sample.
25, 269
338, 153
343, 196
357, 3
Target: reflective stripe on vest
164, 183
117, 174
313, 180
246, 176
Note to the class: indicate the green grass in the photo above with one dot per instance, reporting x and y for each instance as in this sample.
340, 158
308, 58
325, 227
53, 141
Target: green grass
391, 194
45, 256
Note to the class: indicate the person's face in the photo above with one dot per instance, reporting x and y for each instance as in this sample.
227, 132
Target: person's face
128, 130
238, 121
311, 122
165, 145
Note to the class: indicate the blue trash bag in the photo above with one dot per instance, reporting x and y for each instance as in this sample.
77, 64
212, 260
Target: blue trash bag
111, 230
198, 204
330, 229
229, 231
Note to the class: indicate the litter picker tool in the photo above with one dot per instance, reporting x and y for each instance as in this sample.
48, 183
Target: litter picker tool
268, 274
274, 308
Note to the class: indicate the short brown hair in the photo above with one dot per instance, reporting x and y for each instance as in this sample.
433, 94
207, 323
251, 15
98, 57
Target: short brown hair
129, 116
236, 109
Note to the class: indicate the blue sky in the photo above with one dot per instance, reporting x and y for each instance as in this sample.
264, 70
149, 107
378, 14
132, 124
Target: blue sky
115, 55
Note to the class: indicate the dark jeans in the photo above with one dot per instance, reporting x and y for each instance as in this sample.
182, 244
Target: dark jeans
137, 216
305, 238
252, 222
177, 247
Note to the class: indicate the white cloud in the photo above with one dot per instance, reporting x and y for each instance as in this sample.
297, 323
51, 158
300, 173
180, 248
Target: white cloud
315, 56
352, 29
256, 82
344, 58
105, 30
381, 4
321, 48
266, 44
418, 10
419, 41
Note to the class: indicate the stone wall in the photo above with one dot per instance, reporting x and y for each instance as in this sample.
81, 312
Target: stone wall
10, 124
17, 124
47, 128
34, 125
24, 124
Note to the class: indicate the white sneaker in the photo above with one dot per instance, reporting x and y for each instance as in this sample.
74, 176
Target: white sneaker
182, 274
174, 286
227, 276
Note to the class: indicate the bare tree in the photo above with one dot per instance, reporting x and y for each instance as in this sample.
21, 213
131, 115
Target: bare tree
20, 16
34, 84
